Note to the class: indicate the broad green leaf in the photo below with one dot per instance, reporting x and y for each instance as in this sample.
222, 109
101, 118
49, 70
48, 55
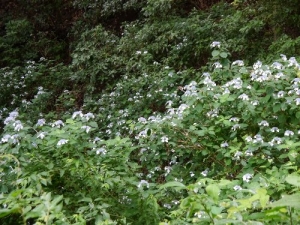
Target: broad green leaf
223, 183
173, 184
263, 197
215, 53
226, 222
86, 199
213, 190
93, 124
56, 200
277, 108
61, 172
293, 179
288, 200
243, 70
70, 121
223, 54
6, 212
298, 115
216, 210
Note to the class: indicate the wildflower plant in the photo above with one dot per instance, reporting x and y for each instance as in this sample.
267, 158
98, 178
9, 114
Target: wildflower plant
235, 128
214, 150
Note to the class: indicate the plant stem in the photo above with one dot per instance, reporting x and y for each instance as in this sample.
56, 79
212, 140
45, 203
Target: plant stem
290, 213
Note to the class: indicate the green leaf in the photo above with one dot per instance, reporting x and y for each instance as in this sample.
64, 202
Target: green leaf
293, 179
213, 191
173, 184
223, 54
227, 221
215, 53
263, 197
86, 199
288, 200
56, 200
6, 212
70, 121
61, 172
277, 108
216, 210
243, 70
93, 124
201, 133
149, 132
270, 90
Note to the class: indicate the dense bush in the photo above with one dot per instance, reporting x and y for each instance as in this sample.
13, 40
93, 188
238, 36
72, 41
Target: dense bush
233, 132
143, 112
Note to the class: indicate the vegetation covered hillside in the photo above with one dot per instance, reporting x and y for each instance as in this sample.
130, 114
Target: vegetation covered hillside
149, 112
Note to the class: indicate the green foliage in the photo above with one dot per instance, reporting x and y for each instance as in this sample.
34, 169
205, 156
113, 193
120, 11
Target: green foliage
227, 136
153, 118
15, 45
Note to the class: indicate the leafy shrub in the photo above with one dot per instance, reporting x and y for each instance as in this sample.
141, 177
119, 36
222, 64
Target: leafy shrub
153, 121
15, 45
223, 151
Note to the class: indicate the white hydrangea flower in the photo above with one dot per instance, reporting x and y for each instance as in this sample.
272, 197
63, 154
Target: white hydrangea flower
77, 113
263, 123
275, 129
62, 142
288, 133
86, 128
297, 100
235, 127
244, 97
275, 140
217, 65
258, 138
234, 119
41, 122
5, 138
18, 125
237, 155
238, 62
224, 145
143, 183
237, 188
58, 123
205, 172
88, 116
215, 44
280, 94
248, 139
164, 139
247, 177
102, 151
41, 135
